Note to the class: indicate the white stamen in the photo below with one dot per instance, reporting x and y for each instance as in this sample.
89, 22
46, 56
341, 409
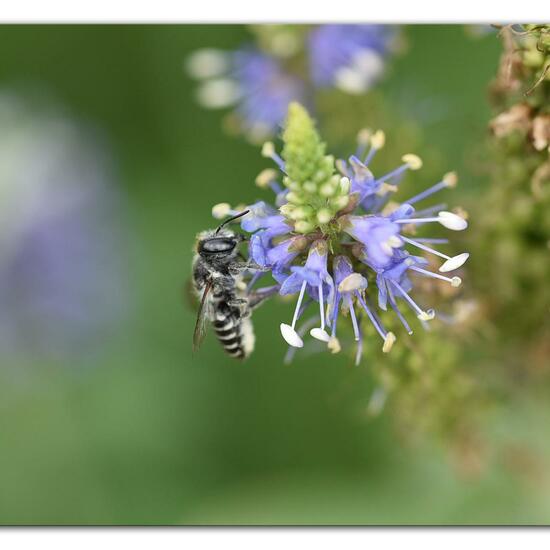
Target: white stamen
454, 263
321, 307
320, 334
410, 301
446, 219
452, 221
395, 307
431, 241
376, 323
389, 340
298, 304
292, 338
218, 93
352, 282
353, 319
426, 248
455, 281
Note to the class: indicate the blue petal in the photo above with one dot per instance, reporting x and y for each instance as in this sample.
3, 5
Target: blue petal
404, 211
382, 292
291, 285
306, 274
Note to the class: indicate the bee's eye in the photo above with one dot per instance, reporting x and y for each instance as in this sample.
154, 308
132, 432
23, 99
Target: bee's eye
220, 244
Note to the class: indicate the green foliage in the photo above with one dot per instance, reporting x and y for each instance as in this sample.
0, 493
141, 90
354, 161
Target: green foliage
515, 225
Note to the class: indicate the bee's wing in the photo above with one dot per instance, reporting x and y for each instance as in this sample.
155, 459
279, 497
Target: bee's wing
200, 325
188, 295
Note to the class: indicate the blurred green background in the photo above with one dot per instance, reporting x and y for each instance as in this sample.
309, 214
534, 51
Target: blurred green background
143, 432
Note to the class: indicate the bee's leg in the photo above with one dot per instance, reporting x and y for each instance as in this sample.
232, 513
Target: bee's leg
241, 304
238, 268
257, 297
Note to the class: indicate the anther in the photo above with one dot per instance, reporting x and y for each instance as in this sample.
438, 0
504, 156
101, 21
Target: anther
389, 340
378, 139
268, 149
413, 161
334, 345
265, 177
426, 315
450, 179
221, 210
352, 282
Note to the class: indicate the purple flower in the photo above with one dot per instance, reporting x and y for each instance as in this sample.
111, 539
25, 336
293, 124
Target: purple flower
367, 239
350, 286
315, 278
268, 225
280, 256
361, 178
350, 57
378, 234
264, 216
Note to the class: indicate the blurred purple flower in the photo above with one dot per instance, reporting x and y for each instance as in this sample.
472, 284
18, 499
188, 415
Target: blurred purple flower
261, 85
349, 57
61, 285
254, 82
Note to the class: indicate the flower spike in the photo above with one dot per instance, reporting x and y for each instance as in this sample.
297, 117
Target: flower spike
335, 240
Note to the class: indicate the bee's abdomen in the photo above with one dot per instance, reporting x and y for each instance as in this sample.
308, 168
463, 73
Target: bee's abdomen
229, 334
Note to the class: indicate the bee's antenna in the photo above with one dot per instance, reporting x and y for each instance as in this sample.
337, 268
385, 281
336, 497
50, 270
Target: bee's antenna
231, 219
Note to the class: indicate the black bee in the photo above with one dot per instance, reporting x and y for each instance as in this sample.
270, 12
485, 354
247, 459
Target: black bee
219, 279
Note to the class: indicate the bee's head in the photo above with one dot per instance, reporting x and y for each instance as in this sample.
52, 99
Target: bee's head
221, 244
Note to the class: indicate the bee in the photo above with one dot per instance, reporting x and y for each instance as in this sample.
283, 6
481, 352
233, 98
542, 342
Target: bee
219, 272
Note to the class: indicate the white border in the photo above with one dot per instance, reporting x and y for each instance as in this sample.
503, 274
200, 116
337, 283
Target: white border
239, 11
275, 539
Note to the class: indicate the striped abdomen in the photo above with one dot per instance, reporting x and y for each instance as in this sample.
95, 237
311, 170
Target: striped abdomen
234, 332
